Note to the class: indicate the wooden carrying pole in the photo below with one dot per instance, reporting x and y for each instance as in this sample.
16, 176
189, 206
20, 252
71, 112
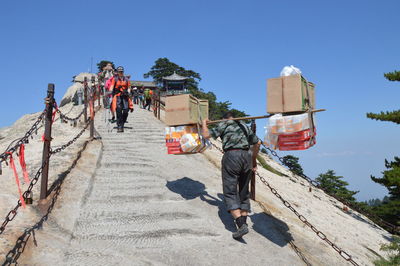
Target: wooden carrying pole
47, 140
254, 117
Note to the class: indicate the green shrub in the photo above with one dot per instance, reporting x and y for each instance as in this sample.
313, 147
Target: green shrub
394, 253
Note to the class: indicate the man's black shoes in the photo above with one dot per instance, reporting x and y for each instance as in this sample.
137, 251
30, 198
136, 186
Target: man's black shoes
244, 229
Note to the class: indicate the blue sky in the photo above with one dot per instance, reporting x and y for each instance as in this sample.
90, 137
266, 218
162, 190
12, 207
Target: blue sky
342, 46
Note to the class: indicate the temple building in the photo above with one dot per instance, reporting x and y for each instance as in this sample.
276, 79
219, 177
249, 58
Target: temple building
174, 84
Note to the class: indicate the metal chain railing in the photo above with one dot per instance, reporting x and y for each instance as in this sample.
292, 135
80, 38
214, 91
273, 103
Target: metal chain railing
64, 117
392, 228
11, 215
14, 254
13, 147
69, 143
18, 249
321, 235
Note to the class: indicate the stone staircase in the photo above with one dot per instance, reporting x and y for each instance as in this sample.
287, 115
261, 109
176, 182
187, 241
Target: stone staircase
145, 207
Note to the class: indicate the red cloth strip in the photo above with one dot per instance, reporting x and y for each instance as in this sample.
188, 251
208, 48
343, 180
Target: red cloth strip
12, 165
22, 163
54, 112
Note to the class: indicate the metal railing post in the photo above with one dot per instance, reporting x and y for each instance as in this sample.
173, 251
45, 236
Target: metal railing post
47, 140
98, 93
86, 99
91, 102
159, 105
253, 175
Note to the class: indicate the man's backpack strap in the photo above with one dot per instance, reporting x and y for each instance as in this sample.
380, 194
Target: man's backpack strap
245, 132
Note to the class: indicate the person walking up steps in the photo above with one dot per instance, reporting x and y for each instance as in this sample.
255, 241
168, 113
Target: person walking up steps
121, 103
147, 97
106, 77
141, 97
237, 167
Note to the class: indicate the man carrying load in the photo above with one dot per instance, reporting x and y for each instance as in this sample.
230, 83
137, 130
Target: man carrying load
237, 167
121, 102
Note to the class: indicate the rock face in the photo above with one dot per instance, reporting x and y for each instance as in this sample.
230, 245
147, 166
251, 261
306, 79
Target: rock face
59, 164
78, 85
130, 203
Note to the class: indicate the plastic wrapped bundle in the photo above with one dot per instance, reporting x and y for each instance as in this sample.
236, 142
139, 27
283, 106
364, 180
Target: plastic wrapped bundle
279, 124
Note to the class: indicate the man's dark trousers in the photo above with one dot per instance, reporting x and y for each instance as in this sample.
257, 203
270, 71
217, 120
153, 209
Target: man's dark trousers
236, 175
122, 110
148, 103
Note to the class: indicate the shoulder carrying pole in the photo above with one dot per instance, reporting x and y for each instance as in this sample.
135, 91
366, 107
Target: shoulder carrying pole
47, 139
255, 117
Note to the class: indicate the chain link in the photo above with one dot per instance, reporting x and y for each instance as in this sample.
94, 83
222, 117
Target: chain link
25, 139
69, 143
393, 228
64, 117
321, 235
303, 219
11, 215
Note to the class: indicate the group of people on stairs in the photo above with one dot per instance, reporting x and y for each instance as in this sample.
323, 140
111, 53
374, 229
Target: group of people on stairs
239, 142
119, 96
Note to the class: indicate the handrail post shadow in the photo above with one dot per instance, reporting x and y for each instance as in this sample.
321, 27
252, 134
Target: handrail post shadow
47, 140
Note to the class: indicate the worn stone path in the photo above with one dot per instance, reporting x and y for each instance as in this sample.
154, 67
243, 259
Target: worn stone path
145, 207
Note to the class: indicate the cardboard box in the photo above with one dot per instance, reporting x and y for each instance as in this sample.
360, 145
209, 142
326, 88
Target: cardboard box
274, 96
290, 94
311, 87
185, 109
295, 94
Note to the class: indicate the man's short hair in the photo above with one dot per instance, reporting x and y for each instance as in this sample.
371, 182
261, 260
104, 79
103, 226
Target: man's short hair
228, 114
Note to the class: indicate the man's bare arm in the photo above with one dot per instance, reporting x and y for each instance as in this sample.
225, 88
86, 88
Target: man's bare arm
254, 150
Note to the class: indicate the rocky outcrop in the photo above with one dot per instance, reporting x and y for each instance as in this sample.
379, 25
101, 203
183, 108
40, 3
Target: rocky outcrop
78, 85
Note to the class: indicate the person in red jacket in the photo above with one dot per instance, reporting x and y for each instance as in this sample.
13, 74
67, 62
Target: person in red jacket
121, 103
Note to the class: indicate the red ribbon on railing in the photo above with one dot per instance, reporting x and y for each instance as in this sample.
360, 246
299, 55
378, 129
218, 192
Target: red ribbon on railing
54, 112
22, 163
12, 165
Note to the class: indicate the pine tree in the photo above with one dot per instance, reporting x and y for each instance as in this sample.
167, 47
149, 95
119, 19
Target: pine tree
103, 63
389, 210
293, 163
393, 116
334, 185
